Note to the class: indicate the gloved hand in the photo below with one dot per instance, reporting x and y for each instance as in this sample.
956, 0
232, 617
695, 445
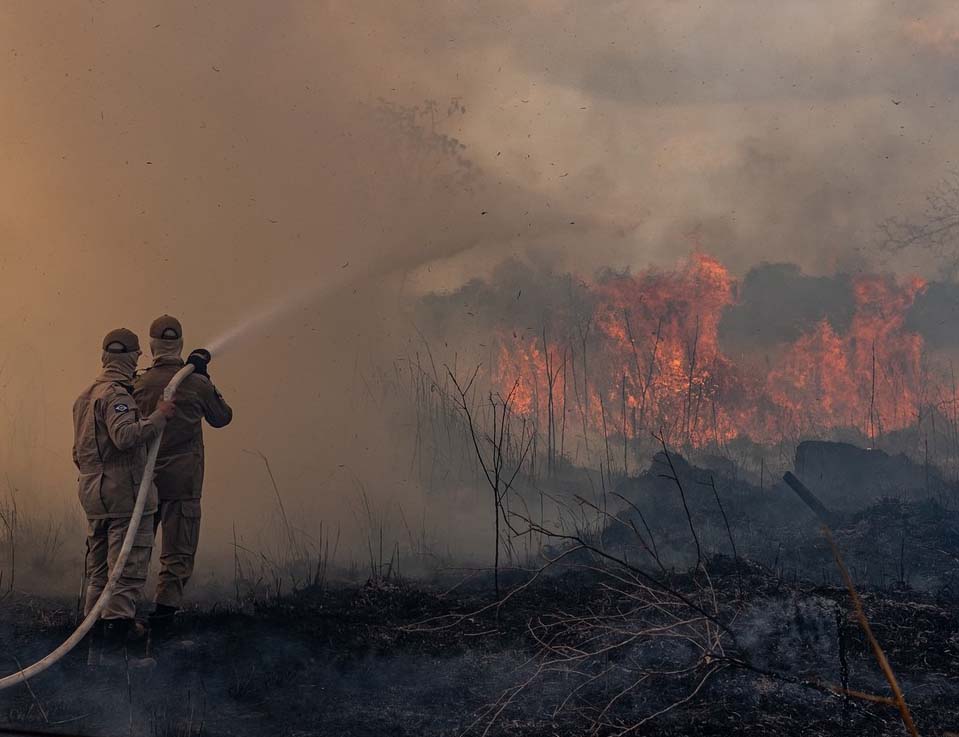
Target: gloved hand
200, 359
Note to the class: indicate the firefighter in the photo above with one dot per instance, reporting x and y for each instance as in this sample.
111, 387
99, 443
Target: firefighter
110, 452
179, 468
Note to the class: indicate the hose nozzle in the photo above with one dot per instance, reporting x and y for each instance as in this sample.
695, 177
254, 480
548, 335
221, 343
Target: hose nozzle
196, 363
199, 359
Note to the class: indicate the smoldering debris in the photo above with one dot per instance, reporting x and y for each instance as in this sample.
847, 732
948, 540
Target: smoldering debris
390, 657
679, 594
847, 477
891, 531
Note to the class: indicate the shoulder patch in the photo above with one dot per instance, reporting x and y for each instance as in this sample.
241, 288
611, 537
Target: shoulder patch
121, 407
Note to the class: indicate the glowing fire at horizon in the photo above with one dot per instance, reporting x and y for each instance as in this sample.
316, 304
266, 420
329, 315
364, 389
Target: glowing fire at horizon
648, 359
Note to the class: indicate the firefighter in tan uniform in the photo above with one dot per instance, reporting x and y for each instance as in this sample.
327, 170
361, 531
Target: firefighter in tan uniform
110, 451
179, 468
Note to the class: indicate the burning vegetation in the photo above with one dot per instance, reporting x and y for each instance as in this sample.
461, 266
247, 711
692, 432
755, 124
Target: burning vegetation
559, 493
635, 354
634, 563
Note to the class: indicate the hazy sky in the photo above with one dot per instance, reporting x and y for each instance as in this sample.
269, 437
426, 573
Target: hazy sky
201, 158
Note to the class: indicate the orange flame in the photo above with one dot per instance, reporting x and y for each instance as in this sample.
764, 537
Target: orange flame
648, 358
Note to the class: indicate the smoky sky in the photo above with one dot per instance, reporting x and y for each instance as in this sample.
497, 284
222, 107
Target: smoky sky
775, 304
202, 159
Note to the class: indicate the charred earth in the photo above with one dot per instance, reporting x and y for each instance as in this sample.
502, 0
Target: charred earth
707, 605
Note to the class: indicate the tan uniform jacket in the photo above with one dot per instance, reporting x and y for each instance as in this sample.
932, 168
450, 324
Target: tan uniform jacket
110, 447
179, 473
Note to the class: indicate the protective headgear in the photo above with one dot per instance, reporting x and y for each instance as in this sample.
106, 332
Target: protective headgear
121, 350
166, 327
121, 340
200, 359
165, 349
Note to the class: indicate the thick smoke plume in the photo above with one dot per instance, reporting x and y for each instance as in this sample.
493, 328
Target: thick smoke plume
203, 160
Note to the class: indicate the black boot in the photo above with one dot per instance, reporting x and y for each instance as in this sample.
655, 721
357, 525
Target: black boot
124, 641
163, 615
94, 640
162, 619
163, 610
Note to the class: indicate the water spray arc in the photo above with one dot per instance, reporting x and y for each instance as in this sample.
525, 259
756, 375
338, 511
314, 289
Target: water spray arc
23, 675
269, 313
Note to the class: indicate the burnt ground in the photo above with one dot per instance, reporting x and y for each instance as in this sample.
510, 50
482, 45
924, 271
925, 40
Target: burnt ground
356, 661
612, 639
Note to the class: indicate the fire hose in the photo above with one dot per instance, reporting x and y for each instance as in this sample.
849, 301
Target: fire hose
24, 674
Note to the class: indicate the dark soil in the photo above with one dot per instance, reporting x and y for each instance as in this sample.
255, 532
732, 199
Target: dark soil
347, 662
755, 644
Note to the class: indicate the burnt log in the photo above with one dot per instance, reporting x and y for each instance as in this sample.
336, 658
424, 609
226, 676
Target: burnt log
825, 516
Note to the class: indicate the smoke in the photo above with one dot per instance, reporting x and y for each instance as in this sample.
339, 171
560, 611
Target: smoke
778, 304
212, 160
934, 314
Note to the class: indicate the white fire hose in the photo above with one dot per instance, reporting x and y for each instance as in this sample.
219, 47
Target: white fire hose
23, 675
